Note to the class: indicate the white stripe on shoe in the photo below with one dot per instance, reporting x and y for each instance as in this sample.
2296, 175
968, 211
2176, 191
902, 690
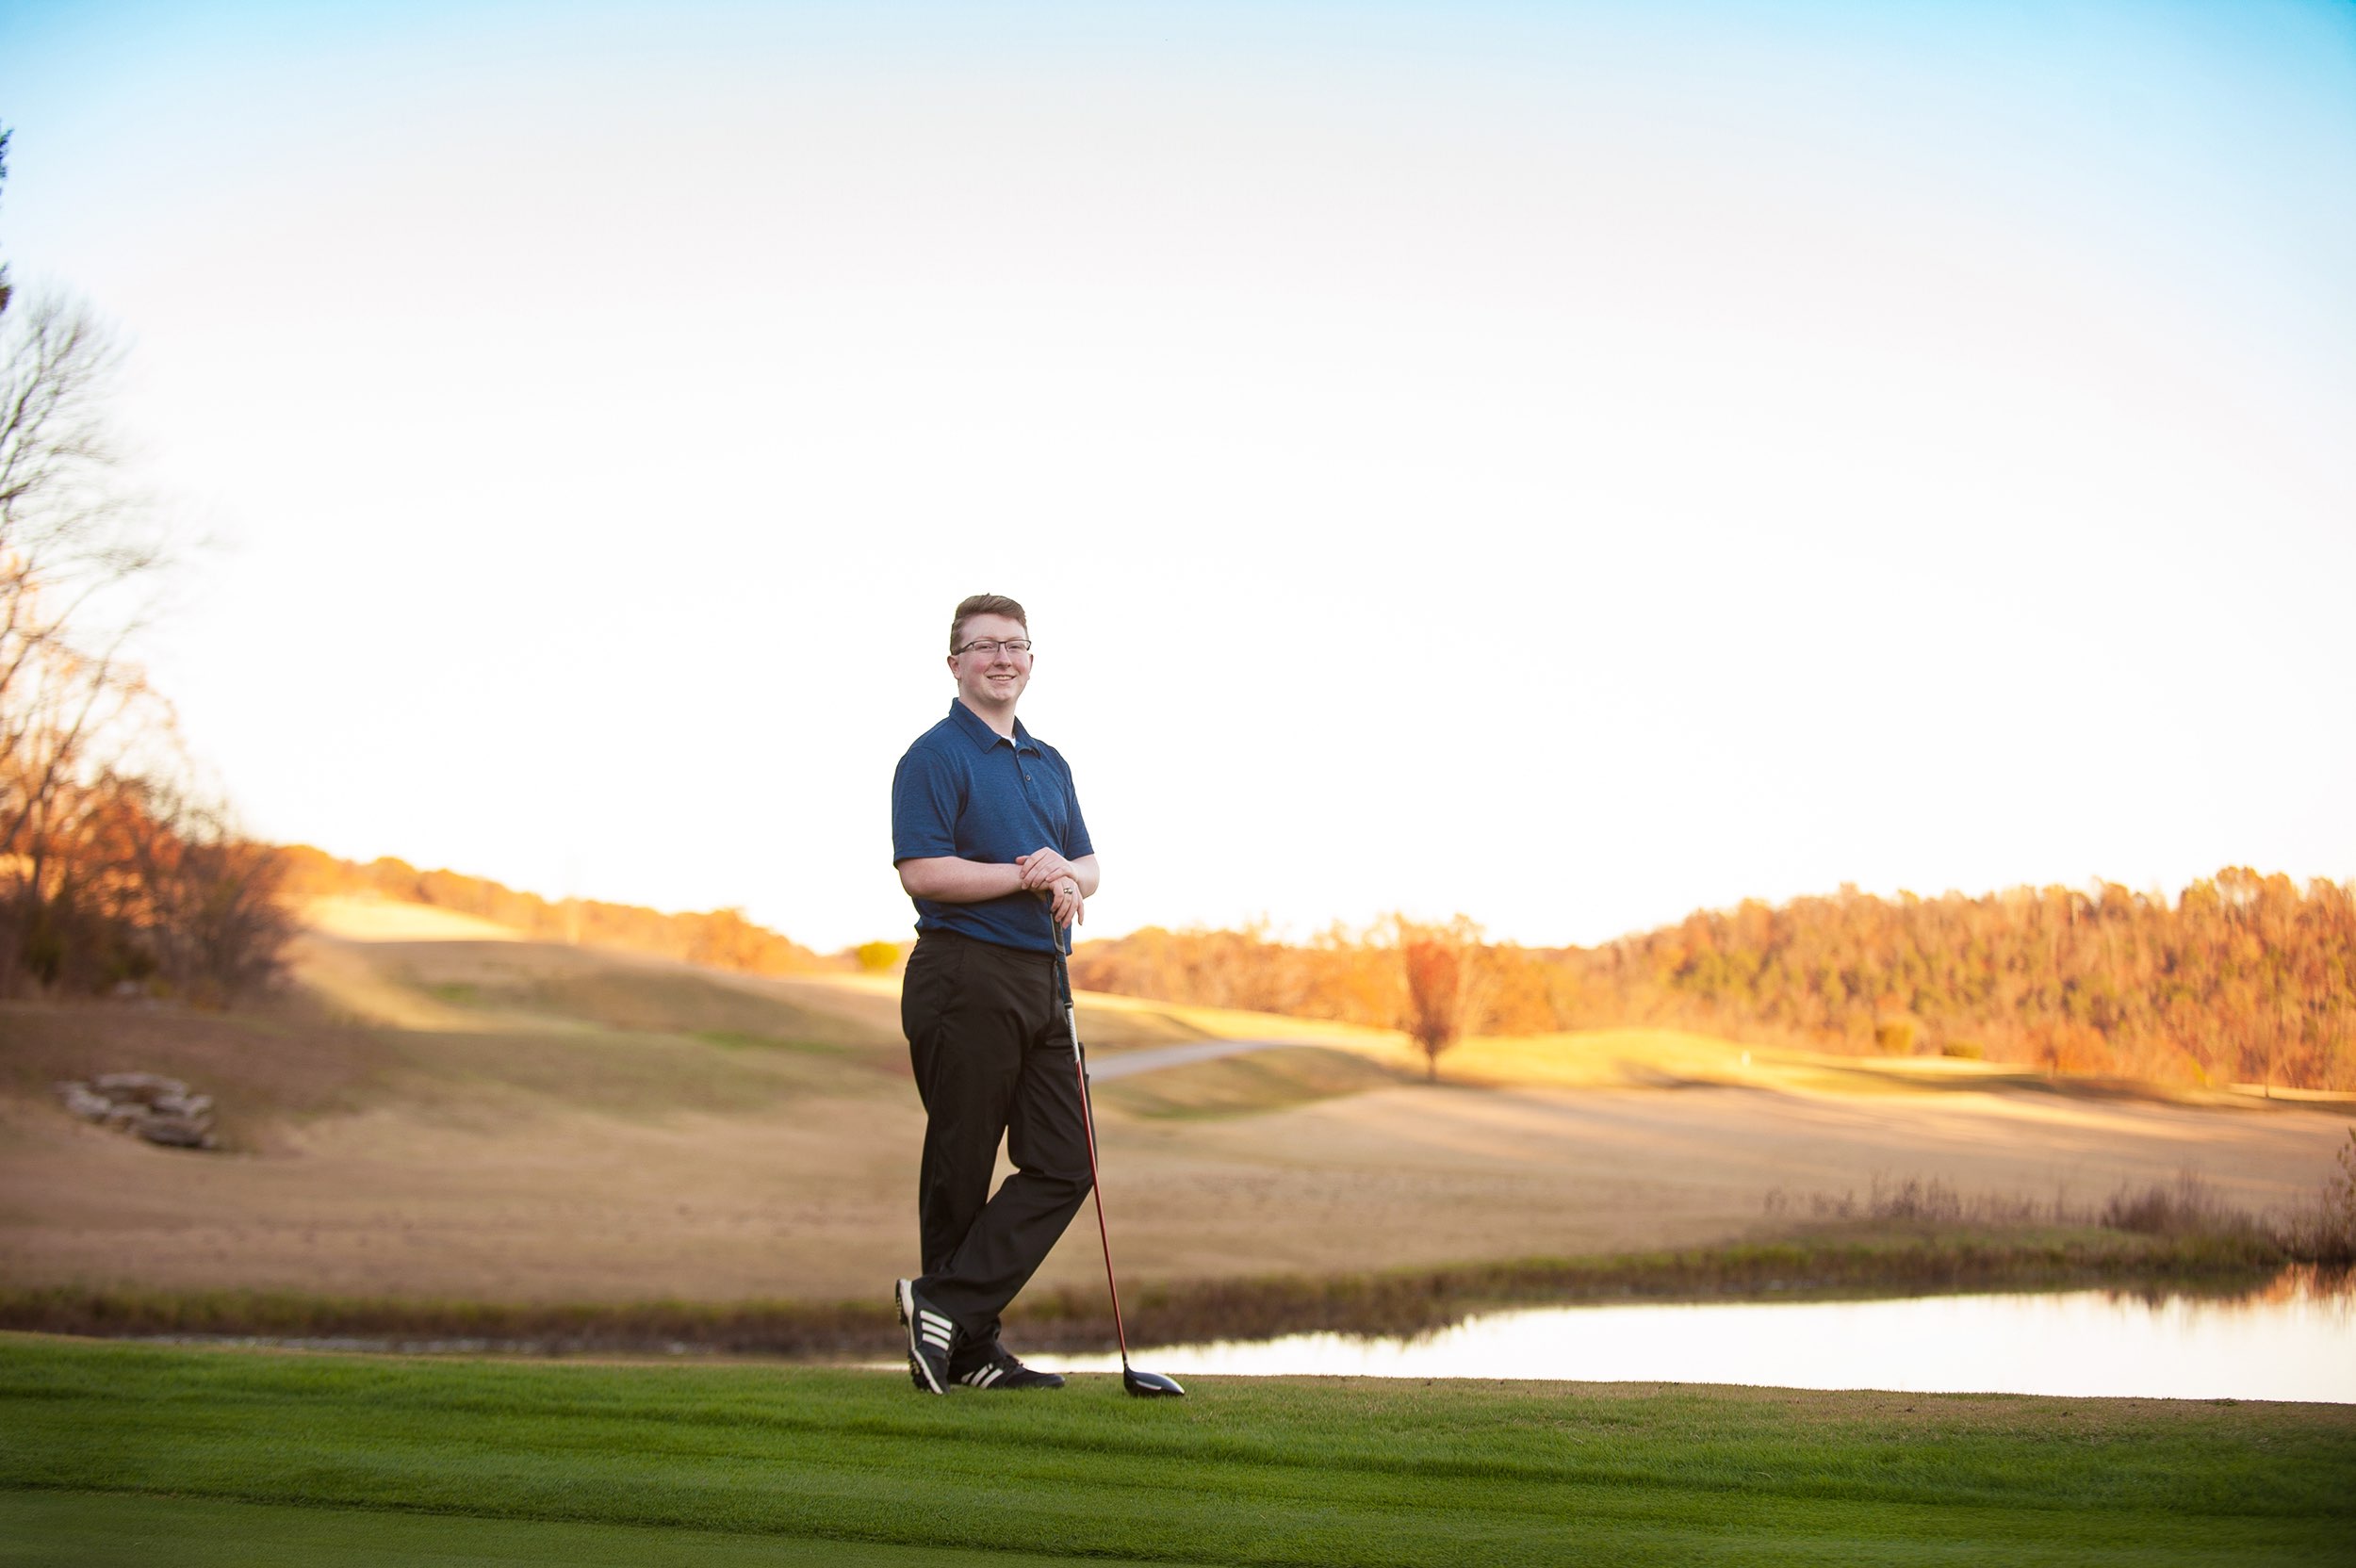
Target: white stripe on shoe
929, 1337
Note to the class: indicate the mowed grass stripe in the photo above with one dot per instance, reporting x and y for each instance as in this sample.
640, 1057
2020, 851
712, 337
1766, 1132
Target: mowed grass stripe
113, 1530
1307, 1471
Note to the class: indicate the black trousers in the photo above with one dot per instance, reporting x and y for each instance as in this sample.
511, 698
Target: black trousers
993, 1059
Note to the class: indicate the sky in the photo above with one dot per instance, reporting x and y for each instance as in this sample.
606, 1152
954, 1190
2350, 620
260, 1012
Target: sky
1565, 465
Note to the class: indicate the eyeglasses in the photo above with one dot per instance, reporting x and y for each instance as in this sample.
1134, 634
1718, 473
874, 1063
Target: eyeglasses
988, 646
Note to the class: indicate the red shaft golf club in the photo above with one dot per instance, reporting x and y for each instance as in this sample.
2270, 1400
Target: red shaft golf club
1143, 1385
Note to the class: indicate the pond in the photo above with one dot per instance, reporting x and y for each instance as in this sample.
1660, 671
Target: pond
2293, 1340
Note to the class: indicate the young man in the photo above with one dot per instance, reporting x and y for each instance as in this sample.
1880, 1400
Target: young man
987, 835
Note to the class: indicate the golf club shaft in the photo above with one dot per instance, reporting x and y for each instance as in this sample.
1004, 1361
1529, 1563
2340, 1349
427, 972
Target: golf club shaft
1087, 1124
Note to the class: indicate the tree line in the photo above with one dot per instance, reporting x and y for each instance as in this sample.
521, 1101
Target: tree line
2241, 978
721, 938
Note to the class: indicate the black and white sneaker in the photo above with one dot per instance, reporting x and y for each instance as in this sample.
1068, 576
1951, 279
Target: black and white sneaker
931, 1337
1003, 1371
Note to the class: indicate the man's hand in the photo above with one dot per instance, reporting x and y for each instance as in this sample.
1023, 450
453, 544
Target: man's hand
1067, 883
1043, 869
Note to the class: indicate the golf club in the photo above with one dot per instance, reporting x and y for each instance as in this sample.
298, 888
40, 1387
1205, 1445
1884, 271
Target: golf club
1141, 1385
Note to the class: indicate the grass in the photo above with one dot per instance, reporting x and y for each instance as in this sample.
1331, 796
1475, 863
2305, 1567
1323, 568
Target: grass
739, 1039
110, 1530
1263, 1081
1857, 1259
2320, 1229
1657, 1057
1243, 1471
371, 1024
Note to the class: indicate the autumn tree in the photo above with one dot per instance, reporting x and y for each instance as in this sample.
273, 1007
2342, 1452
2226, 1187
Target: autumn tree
1446, 984
107, 870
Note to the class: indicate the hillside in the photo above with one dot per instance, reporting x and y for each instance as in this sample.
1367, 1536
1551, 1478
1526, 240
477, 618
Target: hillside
522, 1121
720, 938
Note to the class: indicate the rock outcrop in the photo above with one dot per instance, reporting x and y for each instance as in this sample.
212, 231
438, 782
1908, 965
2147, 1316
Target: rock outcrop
149, 1105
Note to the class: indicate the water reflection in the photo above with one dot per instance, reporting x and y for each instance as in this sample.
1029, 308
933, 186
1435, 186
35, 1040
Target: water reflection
2293, 1340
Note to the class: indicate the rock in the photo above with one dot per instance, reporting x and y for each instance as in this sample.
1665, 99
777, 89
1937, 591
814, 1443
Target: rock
161, 1110
173, 1132
82, 1103
145, 1087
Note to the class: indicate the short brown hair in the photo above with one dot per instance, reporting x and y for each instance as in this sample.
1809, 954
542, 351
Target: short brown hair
984, 604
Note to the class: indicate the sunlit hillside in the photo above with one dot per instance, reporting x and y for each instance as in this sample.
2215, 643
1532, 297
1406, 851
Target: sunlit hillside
324, 886
488, 1117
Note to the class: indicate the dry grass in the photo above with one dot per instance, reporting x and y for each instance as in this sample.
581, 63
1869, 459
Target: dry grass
1263, 1081
2324, 1228
1649, 1057
361, 918
560, 1125
2187, 1208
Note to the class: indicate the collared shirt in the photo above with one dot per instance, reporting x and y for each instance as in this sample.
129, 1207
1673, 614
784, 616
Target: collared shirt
964, 790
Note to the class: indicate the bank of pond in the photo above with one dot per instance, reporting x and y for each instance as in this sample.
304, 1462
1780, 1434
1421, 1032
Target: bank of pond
2078, 1311
2293, 1338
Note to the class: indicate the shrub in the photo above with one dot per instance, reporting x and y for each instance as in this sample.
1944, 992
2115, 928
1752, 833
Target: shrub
2186, 1206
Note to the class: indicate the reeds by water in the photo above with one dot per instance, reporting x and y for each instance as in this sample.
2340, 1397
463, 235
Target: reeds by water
1867, 1257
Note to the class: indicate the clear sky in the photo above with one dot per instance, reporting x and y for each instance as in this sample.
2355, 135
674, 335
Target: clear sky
1566, 463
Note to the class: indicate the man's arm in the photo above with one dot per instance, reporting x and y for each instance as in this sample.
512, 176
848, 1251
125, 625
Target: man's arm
947, 879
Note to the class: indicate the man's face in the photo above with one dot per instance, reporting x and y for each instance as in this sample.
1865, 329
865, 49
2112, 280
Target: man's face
995, 678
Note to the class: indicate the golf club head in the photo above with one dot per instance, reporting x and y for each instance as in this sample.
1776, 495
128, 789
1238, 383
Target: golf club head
1149, 1385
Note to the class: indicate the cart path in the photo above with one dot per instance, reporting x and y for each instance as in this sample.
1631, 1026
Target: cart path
1153, 1058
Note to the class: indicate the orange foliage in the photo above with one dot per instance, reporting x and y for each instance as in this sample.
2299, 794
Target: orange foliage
2243, 978
1436, 982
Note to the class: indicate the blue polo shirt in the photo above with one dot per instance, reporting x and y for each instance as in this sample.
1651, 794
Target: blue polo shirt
966, 790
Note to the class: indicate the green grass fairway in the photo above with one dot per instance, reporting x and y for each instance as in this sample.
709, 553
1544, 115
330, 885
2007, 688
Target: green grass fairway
113, 1452
101, 1529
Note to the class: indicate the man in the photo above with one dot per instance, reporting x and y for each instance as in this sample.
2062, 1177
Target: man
987, 835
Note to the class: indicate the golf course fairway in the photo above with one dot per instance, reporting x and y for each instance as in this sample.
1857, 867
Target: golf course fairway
122, 1453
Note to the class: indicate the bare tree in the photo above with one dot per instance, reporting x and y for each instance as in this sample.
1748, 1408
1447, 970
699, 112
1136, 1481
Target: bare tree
110, 867
76, 550
76, 534
6, 289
